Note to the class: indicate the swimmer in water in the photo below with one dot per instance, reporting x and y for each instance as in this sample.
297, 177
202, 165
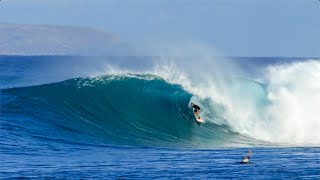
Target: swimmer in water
246, 159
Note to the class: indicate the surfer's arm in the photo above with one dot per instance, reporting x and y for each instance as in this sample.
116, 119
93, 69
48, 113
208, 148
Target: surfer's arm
249, 153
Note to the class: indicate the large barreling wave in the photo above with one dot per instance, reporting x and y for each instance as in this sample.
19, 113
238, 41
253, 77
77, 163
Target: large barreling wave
277, 105
142, 110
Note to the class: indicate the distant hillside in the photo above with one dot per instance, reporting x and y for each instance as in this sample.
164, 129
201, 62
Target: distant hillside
55, 40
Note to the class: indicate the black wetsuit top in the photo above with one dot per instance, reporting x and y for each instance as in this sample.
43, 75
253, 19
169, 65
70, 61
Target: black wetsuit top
196, 107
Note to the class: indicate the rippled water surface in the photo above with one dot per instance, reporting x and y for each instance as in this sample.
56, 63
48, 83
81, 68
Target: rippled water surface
85, 161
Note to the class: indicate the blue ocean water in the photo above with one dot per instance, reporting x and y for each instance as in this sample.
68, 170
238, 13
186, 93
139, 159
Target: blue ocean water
128, 117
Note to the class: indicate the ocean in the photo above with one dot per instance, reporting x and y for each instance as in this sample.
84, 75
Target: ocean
129, 117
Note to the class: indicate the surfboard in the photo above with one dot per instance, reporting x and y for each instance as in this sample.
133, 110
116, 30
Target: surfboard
198, 118
245, 161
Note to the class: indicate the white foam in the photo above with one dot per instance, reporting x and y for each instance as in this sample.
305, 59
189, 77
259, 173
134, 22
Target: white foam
293, 92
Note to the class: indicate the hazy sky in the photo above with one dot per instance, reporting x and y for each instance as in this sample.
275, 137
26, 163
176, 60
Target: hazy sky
233, 27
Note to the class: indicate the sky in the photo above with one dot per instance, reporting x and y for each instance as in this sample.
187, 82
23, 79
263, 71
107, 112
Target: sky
288, 28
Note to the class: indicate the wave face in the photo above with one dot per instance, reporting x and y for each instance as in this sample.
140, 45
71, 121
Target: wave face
141, 110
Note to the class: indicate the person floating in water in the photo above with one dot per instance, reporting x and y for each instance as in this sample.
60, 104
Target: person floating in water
246, 159
196, 110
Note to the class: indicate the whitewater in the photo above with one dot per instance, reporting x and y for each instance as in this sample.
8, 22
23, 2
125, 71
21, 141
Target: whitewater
278, 105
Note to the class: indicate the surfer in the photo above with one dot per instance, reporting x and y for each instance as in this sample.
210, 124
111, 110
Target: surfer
246, 159
196, 109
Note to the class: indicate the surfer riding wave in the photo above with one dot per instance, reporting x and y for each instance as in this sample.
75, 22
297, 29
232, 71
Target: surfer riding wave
196, 110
